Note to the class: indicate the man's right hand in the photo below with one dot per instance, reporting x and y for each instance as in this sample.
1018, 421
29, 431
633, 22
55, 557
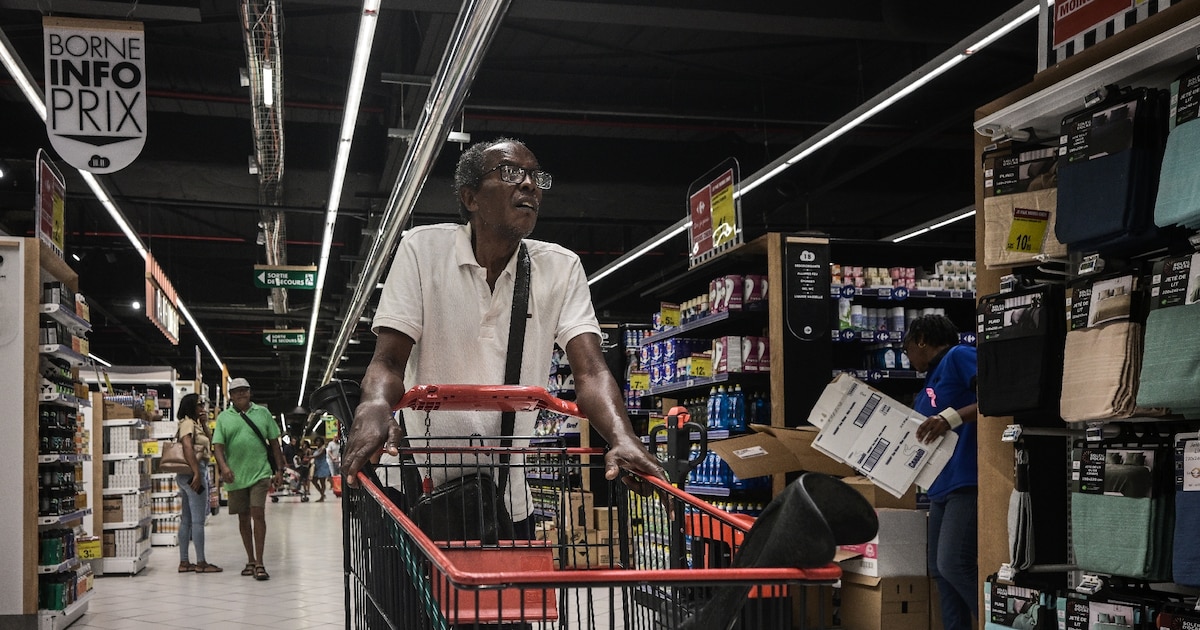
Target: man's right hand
373, 427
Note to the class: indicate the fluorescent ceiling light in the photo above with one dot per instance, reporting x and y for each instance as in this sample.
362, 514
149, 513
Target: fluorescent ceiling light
99, 360
268, 79
985, 36
358, 76
929, 226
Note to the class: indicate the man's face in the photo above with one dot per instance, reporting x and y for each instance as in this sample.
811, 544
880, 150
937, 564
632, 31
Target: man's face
506, 210
240, 397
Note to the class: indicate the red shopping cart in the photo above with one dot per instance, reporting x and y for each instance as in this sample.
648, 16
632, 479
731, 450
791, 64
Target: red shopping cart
646, 562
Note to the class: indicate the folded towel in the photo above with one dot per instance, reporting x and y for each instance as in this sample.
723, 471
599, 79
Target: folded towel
1101, 368
1114, 535
1171, 363
998, 220
1185, 567
1178, 201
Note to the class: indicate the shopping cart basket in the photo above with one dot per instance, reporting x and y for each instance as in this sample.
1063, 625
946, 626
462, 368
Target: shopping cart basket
645, 562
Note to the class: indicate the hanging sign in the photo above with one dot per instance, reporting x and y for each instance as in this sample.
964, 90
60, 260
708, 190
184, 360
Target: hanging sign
161, 301
284, 337
1073, 17
715, 213
285, 277
51, 203
95, 91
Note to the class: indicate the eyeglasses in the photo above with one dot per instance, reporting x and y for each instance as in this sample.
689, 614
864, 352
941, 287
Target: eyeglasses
516, 175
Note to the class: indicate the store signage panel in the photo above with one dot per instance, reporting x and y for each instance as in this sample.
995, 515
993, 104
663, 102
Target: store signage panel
1073, 17
285, 277
806, 287
51, 203
715, 213
95, 91
162, 304
284, 337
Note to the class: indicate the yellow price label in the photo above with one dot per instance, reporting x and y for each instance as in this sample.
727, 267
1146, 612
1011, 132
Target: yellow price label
331, 428
1028, 230
668, 314
150, 447
89, 549
701, 367
639, 381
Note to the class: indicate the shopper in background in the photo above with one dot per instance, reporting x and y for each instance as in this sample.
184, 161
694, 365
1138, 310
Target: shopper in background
320, 471
302, 462
242, 457
948, 402
444, 318
193, 488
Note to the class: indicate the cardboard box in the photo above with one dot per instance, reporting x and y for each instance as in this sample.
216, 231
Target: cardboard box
878, 498
875, 434
116, 411
896, 603
579, 512
900, 549
113, 510
814, 604
771, 450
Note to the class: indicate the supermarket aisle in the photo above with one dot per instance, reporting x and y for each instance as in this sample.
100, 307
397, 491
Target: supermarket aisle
304, 558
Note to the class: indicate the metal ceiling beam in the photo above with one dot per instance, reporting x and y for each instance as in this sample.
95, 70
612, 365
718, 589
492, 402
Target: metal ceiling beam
474, 29
125, 10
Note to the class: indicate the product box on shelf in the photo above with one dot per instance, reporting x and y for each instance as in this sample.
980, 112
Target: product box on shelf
867, 429
117, 411
727, 354
113, 510
898, 550
754, 291
770, 450
896, 603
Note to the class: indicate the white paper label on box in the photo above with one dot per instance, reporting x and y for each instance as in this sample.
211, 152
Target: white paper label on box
1191, 466
748, 453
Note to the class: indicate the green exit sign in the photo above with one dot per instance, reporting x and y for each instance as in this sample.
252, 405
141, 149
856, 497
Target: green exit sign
286, 337
285, 277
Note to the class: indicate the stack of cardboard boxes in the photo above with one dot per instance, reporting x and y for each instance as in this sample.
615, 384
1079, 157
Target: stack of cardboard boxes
885, 583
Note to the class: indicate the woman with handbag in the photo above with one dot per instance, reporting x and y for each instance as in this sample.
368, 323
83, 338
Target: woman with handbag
193, 485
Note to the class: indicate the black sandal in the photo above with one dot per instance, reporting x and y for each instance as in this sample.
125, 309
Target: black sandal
249, 570
260, 573
204, 567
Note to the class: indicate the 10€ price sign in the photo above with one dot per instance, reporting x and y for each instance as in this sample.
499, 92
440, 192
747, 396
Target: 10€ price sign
1028, 230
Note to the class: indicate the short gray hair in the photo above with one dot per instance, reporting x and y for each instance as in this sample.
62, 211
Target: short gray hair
469, 172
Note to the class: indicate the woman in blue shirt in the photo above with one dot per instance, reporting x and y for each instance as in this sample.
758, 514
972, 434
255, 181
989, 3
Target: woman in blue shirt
948, 402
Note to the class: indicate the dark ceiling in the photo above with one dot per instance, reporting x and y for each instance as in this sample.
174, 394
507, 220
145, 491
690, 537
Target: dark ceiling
626, 103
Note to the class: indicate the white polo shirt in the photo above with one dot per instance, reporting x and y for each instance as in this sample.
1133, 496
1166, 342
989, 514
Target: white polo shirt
438, 294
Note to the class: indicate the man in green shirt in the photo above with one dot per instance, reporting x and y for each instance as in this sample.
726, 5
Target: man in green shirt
245, 470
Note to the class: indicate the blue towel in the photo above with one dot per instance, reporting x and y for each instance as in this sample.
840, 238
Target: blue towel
1186, 558
1178, 201
1171, 360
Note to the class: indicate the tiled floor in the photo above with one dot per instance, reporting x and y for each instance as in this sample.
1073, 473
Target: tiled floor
303, 556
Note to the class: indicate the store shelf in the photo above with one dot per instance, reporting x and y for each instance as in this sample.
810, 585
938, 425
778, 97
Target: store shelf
125, 422
714, 434
60, 619
163, 476
705, 382
897, 294
67, 317
64, 352
164, 540
718, 321
62, 519
131, 565
849, 335
117, 457
873, 376
58, 568
707, 491
63, 400
117, 492
63, 458
164, 495
125, 524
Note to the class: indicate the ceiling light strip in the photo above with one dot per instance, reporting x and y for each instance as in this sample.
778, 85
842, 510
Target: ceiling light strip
931, 225
988, 34
12, 62
367, 23
473, 31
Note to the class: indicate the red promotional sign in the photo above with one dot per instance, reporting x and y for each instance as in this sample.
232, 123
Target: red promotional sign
1073, 17
51, 201
714, 213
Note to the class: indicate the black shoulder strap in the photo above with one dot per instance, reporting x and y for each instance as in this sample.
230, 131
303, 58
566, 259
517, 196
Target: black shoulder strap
256, 431
516, 348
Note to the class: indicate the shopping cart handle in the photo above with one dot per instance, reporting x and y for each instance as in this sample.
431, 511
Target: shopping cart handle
460, 397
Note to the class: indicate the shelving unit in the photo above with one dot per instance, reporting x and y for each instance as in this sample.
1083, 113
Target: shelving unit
42, 411
166, 510
1151, 53
126, 507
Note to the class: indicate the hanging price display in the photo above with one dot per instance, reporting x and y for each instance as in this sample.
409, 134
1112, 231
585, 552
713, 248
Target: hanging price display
639, 381
150, 447
1028, 230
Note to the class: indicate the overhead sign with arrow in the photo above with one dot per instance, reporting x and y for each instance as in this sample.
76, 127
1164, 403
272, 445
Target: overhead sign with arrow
285, 277
284, 337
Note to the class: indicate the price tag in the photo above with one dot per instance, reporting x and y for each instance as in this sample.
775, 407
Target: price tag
89, 549
150, 447
1090, 584
668, 315
1028, 230
701, 367
1011, 433
899, 293
848, 334
639, 381
1006, 573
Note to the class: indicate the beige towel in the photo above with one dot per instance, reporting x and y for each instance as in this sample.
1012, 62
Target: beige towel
998, 219
1102, 367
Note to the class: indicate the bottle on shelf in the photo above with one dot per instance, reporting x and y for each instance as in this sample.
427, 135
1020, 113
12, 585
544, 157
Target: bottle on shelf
737, 410
712, 409
723, 410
